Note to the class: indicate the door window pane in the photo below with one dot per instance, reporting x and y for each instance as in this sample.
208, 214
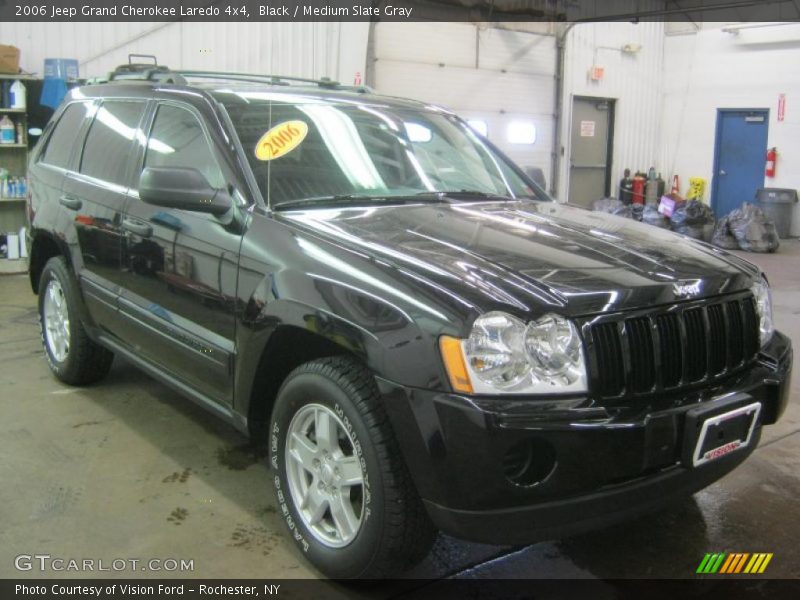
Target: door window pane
59, 147
178, 140
107, 152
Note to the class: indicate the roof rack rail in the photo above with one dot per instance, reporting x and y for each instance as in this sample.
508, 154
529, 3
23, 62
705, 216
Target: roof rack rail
257, 78
153, 72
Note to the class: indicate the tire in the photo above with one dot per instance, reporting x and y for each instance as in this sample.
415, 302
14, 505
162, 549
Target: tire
394, 532
72, 356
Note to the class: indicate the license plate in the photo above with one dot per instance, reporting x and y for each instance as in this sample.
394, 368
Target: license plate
725, 433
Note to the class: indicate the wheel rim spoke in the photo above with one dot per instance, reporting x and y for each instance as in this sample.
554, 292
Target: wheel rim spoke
350, 471
303, 451
316, 506
325, 430
343, 517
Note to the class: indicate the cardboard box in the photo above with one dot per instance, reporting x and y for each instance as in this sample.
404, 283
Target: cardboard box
9, 59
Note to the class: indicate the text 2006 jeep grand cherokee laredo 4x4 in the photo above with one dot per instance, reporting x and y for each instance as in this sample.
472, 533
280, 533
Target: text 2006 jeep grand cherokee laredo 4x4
424, 339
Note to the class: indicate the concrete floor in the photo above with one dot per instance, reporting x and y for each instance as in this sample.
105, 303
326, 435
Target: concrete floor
129, 469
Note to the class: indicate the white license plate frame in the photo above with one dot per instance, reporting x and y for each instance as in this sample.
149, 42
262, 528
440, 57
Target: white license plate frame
700, 458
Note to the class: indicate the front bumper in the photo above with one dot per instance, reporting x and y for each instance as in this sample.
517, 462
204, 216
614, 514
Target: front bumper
587, 465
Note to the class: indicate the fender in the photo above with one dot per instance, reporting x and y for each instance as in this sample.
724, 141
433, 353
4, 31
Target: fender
350, 321
43, 246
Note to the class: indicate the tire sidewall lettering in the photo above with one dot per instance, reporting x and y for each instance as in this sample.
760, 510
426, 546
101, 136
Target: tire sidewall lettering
283, 501
359, 452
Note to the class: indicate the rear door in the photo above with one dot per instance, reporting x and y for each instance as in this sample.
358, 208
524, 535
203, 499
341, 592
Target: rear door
180, 267
46, 175
95, 193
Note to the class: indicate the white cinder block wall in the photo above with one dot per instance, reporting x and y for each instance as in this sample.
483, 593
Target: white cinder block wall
712, 69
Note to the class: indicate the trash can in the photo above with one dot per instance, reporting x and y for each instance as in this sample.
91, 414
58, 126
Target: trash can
778, 204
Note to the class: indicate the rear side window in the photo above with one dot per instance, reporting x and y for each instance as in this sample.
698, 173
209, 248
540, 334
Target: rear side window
65, 134
178, 140
107, 151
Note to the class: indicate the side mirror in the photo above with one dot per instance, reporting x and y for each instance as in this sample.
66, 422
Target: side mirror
182, 187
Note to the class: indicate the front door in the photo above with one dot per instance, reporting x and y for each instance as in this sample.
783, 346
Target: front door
179, 290
740, 158
589, 163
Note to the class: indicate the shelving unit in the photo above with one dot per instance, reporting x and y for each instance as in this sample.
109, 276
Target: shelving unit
14, 158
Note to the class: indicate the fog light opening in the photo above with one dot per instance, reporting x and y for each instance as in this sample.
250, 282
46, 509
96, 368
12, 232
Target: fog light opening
529, 462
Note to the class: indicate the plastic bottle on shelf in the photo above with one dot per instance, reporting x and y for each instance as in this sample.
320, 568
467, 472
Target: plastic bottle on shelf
17, 96
20, 133
23, 187
7, 130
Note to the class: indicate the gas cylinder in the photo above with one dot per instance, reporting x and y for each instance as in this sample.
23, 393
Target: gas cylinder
638, 188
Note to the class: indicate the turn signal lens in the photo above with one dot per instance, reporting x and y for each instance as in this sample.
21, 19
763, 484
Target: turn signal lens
453, 357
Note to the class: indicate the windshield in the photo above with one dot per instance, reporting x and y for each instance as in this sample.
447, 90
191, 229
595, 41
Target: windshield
306, 148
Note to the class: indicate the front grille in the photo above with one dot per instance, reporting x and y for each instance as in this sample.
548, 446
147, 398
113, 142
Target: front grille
670, 348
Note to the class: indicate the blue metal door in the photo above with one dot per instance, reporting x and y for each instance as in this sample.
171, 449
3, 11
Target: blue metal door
739, 158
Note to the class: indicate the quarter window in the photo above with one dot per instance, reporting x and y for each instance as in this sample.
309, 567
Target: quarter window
107, 152
178, 140
59, 147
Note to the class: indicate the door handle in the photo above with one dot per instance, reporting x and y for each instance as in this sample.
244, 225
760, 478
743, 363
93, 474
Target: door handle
70, 202
141, 229
723, 172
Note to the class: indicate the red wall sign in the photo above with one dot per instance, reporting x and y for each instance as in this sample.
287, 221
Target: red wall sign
781, 106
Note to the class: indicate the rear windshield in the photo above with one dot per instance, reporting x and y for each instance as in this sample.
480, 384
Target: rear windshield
303, 147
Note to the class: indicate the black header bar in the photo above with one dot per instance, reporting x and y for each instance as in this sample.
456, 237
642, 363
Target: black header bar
399, 10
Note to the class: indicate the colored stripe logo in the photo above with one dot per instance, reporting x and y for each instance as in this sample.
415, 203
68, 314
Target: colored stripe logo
734, 562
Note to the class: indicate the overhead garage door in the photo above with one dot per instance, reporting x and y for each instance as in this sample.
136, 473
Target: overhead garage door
503, 80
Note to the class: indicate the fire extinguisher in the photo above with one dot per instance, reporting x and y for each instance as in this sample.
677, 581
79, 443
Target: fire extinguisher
772, 158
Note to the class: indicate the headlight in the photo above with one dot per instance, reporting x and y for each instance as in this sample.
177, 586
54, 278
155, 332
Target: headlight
763, 298
503, 355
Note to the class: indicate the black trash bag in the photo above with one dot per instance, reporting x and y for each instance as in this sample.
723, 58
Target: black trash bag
612, 206
693, 218
753, 230
723, 238
637, 211
651, 216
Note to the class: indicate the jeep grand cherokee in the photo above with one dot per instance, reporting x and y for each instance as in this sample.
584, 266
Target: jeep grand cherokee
422, 336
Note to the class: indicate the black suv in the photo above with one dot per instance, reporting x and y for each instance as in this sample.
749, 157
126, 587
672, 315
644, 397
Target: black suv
422, 336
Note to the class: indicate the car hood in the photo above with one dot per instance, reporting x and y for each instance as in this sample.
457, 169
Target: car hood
530, 257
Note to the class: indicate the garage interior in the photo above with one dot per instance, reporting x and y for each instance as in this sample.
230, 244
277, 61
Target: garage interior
128, 467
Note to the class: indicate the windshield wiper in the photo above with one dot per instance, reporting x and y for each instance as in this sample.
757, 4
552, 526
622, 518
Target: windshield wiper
458, 194
339, 199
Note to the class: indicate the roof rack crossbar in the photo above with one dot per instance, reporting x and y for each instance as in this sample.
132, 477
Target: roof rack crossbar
273, 79
151, 56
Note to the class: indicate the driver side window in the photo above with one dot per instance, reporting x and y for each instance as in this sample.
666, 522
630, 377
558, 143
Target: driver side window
177, 140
